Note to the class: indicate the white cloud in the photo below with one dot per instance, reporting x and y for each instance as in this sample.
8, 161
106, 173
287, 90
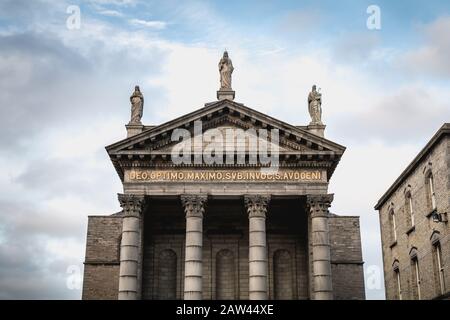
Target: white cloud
299, 23
154, 24
407, 113
122, 3
111, 13
432, 57
357, 47
183, 94
278, 84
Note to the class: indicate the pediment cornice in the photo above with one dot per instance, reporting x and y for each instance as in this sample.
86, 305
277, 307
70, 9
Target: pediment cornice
297, 146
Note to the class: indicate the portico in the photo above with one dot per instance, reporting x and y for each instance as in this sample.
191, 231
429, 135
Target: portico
255, 234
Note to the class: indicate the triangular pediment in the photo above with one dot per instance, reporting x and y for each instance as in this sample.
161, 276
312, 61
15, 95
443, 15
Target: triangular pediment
294, 142
229, 136
226, 114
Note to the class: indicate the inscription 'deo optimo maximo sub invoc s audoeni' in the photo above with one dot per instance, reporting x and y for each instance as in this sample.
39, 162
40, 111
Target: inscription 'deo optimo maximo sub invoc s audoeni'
136, 175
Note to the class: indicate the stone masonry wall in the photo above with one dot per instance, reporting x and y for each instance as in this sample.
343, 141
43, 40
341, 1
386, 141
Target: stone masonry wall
346, 258
438, 160
101, 269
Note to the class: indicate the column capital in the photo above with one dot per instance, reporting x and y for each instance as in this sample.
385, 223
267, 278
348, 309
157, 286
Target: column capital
132, 204
318, 204
256, 205
194, 205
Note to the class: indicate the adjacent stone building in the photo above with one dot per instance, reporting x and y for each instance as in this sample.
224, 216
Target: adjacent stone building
414, 225
228, 229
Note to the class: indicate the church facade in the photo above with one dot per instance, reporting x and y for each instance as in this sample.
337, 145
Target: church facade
224, 203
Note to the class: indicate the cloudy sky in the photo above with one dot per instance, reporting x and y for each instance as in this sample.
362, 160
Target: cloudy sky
64, 95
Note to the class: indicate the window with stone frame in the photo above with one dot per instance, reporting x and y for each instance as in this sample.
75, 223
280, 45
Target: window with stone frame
393, 225
397, 280
415, 274
409, 208
430, 190
438, 268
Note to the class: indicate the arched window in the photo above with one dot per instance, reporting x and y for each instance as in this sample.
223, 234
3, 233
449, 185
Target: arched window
415, 273
225, 278
397, 279
283, 278
431, 196
438, 263
410, 208
439, 268
393, 223
167, 275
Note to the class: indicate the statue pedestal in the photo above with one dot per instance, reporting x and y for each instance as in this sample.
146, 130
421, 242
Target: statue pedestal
134, 129
317, 129
225, 94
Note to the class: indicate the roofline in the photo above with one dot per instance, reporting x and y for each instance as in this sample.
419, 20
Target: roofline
342, 216
151, 128
443, 130
106, 215
220, 102
301, 128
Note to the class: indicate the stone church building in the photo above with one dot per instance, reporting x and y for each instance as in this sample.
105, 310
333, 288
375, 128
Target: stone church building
232, 228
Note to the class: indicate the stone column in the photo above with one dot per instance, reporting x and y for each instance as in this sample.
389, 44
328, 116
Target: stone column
318, 214
257, 254
131, 247
194, 207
